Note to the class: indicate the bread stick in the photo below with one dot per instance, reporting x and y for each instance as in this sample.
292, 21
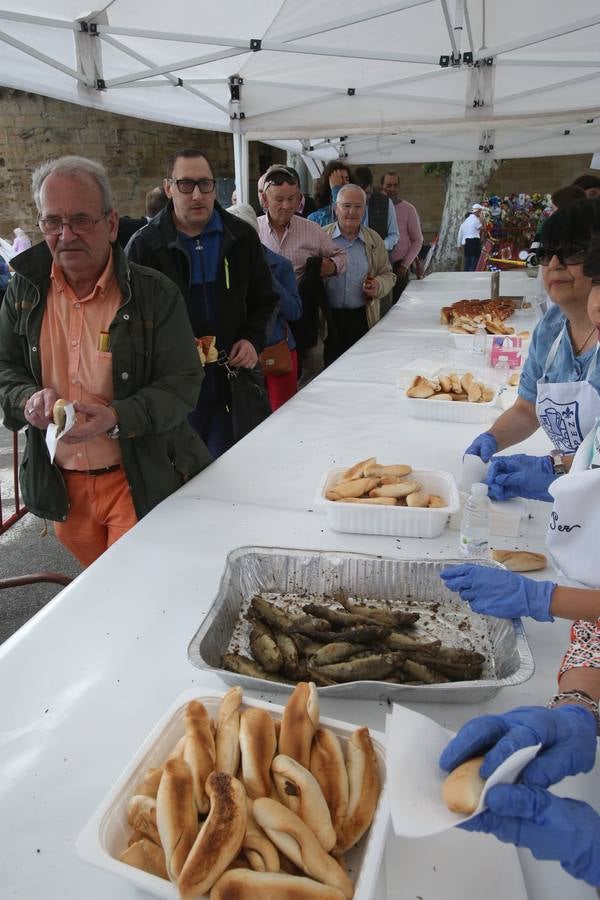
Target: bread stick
199, 750
227, 740
299, 722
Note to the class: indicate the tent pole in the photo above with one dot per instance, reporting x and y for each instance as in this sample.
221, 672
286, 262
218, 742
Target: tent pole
240, 162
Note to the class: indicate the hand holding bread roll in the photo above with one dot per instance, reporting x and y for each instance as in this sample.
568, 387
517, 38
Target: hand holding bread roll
364, 788
199, 750
147, 856
299, 722
258, 746
328, 767
219, 839
240, 884
227, 742
462, 788
299, 790
59, 416
176, 815
295, 839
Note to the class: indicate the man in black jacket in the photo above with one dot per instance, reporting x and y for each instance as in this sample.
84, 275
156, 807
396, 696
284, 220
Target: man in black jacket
216, 261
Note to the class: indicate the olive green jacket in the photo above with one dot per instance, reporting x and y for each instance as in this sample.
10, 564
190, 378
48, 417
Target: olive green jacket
156, 382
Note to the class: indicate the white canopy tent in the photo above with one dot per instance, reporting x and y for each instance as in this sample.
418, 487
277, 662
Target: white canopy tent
405, 81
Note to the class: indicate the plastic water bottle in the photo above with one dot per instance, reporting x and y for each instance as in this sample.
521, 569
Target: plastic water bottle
479, 339
502, 371
475, 525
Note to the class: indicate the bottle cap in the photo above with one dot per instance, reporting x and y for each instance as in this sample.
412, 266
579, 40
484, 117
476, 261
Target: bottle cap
479, 489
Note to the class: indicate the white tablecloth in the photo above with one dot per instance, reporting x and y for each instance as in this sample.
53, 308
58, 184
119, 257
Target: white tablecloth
87, 678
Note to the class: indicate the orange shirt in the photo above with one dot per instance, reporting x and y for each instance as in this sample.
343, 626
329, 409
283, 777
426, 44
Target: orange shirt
73, 365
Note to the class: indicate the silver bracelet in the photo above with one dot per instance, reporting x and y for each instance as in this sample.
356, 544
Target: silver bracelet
578, 698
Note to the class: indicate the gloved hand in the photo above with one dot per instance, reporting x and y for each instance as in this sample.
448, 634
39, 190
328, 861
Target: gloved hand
520, 476
496, 592
484, 446
567, 735
551, 827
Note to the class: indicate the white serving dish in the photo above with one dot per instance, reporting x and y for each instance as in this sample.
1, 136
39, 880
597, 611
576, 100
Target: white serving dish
105, 836
455, 410
399, 521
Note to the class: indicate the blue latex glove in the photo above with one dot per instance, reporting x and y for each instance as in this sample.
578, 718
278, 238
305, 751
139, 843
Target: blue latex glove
567, 735
496, 592
520, 476
551, 827
484, 446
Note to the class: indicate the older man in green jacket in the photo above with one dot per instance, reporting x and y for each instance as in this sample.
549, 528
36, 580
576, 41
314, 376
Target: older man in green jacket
81, 323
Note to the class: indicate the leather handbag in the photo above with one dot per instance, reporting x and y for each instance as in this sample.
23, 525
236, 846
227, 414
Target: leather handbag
276, 359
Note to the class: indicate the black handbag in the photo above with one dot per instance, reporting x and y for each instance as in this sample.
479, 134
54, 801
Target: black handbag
249, 401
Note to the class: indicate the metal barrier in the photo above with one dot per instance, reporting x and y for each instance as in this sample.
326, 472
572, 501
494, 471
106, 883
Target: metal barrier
5, 523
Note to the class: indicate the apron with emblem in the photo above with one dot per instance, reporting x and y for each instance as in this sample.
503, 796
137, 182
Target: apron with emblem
567, 410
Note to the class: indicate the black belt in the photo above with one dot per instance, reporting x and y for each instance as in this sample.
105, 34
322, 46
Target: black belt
103, 471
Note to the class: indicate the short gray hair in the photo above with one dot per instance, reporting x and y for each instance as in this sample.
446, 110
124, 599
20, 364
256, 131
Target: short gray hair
351, 187
73, 167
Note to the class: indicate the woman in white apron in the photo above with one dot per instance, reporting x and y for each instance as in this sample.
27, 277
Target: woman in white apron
560, 383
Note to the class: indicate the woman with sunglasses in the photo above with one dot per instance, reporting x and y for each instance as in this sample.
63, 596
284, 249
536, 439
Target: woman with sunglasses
559, 388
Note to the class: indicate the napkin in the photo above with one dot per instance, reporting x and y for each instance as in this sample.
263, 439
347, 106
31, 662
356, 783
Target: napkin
54, 433
413, 747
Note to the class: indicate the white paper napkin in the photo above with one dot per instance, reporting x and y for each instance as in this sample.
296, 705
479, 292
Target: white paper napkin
54, 434
414, 744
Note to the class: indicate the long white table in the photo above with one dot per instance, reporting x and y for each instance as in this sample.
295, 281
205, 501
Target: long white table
87, 678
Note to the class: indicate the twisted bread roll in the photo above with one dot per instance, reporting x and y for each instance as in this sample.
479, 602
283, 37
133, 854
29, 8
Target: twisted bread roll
227, 741
299, 790
328, 767
199, 750
149, 786
358, 470
141, 815
147, 856
299, 722
260, 852
295, 839
363, 780
257, 745
176, 816
356, 488
220, 838
240, 884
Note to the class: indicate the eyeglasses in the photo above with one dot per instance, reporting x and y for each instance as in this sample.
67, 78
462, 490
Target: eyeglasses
567, 256
348, 206
187, 185
279, 178
78, 224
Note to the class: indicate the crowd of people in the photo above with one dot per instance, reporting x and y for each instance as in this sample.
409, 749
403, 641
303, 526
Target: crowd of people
175, 338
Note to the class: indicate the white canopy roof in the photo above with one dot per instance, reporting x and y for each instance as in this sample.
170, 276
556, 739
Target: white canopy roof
412, 80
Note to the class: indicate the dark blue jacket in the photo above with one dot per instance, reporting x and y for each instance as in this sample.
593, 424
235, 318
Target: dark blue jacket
290, 302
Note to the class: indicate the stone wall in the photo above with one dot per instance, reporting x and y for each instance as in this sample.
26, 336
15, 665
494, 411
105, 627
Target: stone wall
35, 128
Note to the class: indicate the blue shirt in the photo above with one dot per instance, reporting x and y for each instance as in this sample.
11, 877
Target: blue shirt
204, 250
566, 367
345, 290
290, 302
326, 215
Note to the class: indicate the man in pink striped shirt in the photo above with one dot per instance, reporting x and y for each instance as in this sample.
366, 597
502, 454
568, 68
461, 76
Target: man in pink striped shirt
409, 226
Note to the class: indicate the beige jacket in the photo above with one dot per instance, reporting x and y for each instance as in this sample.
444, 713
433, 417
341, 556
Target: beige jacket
377, 257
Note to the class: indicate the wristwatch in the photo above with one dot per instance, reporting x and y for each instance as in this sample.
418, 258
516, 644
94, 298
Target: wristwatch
114, 432
558, 462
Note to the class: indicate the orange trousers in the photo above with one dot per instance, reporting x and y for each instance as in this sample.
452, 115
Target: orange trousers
101, 511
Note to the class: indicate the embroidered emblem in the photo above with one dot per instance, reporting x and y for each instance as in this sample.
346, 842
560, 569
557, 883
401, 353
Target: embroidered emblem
560, 421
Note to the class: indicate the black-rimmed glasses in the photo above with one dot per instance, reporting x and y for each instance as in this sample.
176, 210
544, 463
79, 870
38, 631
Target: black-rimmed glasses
279, 178
78, 224
187, 185
567, 256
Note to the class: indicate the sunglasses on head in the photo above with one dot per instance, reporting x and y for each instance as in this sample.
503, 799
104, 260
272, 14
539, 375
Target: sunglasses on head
278, 178
568, 256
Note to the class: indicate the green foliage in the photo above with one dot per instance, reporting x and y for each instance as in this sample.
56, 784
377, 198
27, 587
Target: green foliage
439, 169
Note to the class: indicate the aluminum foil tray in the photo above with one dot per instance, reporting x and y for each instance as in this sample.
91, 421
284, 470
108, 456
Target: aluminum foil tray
291, 577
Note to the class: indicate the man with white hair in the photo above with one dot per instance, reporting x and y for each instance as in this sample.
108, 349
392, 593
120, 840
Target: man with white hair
82, 324
354, 297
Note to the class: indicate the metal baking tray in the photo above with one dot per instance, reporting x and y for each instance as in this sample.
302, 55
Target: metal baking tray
412, 584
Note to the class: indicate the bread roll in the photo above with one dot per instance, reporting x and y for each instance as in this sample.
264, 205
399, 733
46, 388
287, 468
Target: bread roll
436, 502
299, 790
199, 750
227, 741
445, 384
466, 381
462, 788
295, 839
402, 489
59, 416
520, 560
418, 498
364, 785
147, 856
258, 745
239, 884
299, 722
328, 767
355, 488
219, 839
474, 392
176, 815
514, 379
421, 388
395, 471
377, 501
177, 751
441, 397
260, 852
141, 815
357, 471
149, 786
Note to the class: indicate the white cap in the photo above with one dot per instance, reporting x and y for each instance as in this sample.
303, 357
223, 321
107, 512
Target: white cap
477, 206
479, 489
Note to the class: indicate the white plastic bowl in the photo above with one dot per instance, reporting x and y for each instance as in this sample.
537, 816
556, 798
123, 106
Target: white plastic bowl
105, 836
395, 521
452, 410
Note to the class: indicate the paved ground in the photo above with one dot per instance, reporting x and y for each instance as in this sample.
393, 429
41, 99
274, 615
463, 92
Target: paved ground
24, 550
